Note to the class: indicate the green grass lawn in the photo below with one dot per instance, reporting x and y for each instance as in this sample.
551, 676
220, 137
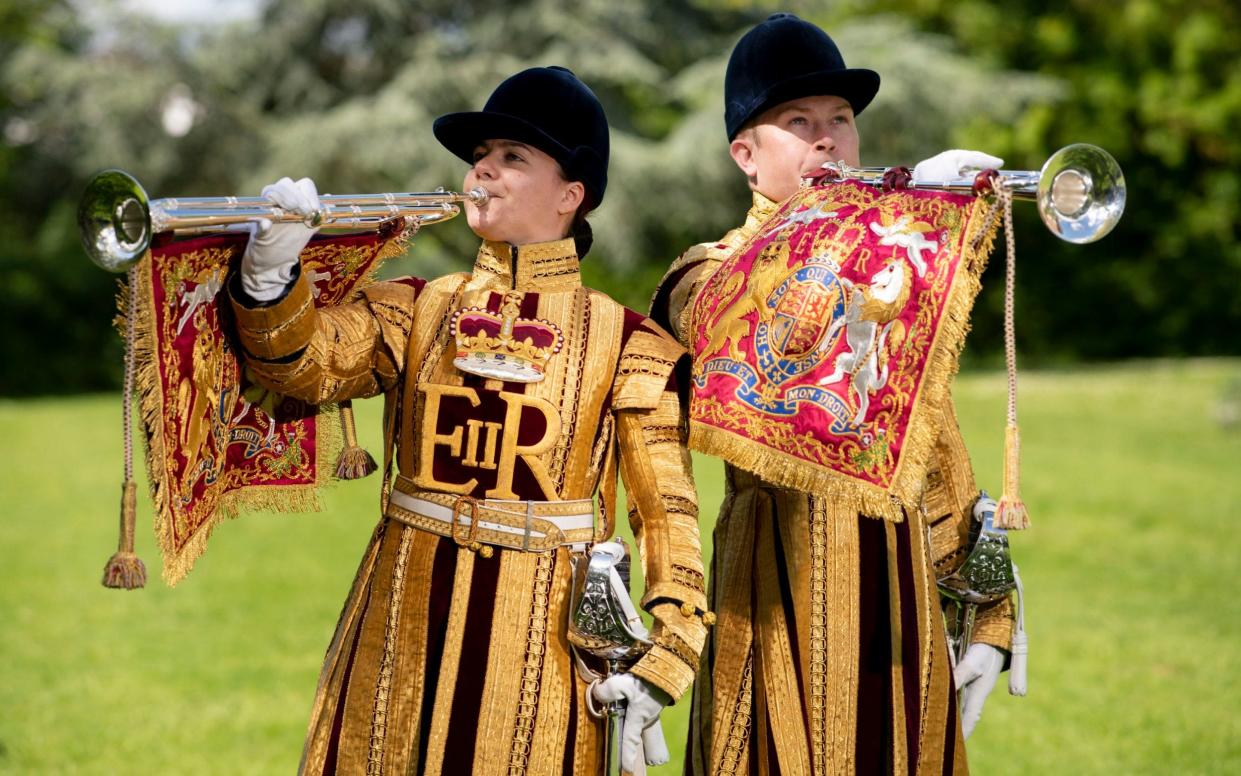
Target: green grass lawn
1132, 569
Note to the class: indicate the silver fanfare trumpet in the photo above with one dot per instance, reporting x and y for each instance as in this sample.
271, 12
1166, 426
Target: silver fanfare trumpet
117, 220
1080, 191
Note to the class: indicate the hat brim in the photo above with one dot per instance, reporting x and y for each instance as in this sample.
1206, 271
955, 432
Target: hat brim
461, 133
858, 86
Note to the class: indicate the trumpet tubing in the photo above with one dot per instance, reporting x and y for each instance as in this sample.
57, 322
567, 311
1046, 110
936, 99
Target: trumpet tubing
117, 220
1080, 190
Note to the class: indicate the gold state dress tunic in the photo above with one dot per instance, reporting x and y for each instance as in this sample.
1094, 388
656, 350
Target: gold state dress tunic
829, 655
445, 660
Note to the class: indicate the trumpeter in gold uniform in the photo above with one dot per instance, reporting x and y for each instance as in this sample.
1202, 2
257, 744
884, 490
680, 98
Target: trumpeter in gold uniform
513, 396
880, 697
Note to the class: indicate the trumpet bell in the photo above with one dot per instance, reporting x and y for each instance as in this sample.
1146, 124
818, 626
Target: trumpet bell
1081, 193
117, 221
114, 220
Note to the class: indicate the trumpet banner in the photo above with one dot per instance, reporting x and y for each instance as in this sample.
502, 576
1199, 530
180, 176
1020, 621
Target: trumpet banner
825, 345
216, 441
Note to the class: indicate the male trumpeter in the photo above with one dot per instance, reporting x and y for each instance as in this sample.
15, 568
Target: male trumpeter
881, 697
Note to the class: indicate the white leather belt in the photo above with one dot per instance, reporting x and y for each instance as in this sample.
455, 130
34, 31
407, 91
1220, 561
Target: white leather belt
532, 526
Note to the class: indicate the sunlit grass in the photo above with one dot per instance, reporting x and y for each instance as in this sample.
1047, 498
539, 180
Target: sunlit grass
1132, 568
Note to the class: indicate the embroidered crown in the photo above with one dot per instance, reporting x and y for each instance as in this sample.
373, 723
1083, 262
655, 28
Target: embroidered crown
502, 345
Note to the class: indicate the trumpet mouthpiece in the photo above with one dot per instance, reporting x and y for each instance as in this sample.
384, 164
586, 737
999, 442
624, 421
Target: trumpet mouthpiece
479, 196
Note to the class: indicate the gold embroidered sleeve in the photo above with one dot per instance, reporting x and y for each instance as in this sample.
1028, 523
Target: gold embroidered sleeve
949, 496
329, 354
275, 331
656, 468
672, 303
645, 366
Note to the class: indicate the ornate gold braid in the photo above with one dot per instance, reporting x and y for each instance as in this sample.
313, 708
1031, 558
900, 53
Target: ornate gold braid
432, 357
818, 635
570, 391
679, 647
295, 318
383, 684
671, 434
739, 730
398, 315
691, 578
532, 673
680, 505
641, 363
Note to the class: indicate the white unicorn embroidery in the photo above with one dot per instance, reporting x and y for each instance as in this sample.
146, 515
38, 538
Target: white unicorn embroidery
872, 330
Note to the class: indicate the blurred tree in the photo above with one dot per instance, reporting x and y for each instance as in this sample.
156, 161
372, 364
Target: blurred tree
1158, 84
84, 89
51, 308
346, 94
448, 56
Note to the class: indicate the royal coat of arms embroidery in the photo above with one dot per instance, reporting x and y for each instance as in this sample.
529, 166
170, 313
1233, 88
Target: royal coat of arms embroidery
825, 341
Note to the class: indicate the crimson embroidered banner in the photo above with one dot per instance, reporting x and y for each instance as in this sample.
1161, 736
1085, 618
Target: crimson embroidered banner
823, 347
218, 442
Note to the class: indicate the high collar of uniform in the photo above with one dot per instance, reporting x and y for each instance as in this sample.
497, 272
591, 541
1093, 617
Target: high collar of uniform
760, 211
545, 267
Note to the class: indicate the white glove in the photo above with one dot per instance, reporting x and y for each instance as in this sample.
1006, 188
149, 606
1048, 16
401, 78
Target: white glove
947, 166
267, 265
976, 675
642, 738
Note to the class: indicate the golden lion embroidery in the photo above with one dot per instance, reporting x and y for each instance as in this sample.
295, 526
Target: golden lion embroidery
755, 287
198, 397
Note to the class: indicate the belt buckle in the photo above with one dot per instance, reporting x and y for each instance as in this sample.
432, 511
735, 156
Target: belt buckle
470, 541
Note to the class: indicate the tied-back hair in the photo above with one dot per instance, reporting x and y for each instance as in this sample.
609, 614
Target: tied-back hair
583, 235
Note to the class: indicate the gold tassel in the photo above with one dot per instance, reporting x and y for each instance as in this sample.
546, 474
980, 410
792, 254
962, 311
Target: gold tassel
354, 462
1010, 513
125, 570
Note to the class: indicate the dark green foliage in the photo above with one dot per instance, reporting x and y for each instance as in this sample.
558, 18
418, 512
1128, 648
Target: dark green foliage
346, 95
1158, 84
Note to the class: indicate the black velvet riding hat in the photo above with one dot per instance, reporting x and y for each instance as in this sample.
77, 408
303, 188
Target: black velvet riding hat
548, 108
785, 58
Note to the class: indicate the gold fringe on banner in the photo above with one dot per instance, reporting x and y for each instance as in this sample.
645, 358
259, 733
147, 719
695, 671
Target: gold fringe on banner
275, 498
178, 561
